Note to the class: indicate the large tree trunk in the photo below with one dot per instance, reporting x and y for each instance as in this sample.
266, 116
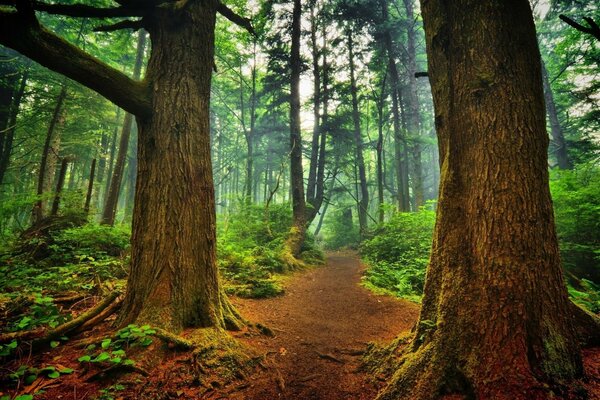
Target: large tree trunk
297, 233
496, 321
363, 201
314, 150
112, 196
174, 280
556, 131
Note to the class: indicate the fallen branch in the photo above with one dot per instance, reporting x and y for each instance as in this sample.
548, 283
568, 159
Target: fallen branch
42, 335
329, 357
108, 311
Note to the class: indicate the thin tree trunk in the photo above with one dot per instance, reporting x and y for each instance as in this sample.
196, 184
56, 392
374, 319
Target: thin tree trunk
314, 151
412, 103
7, 136
88, 197
556, 131
496, 320
296, 237
399, 140
112, 196
38, 210
380, 122
59, 185
363, 203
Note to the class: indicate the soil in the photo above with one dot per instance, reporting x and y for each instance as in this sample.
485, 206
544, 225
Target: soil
315, 336
322, 325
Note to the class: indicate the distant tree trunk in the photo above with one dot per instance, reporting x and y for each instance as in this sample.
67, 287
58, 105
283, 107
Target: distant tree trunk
363, 201
113, 150
174, 280
112, 196
7, 137
412, 103
59, 185
496, 320
88, 197
43, 176
556, 131
399, 140
380, 122
296, 237
316, 70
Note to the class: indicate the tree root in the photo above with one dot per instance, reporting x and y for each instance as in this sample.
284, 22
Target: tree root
42, 336
232, 319
108, 311
587, 326
176, 340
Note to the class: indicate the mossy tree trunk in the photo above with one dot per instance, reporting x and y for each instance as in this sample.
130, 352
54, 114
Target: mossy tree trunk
298, 230
174, 280
496, 321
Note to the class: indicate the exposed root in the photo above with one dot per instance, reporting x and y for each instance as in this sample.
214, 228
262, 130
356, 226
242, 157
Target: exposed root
587, 326
117, 369
107, 312
176, 340
43, 336
231, 317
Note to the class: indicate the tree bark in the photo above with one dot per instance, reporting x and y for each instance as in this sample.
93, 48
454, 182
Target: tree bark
8, 134
556, 131
399, 139
412, 104
174, 280
88, 197
59, 185
112, 196
43, 175
496, 321
363, 201
314, 150
296, 236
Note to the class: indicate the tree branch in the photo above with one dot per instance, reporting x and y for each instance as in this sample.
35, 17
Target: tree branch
127, 24
81, 10
593, 29
235, 18
39, 44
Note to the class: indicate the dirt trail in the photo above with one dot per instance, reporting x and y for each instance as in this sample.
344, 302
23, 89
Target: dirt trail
322, 323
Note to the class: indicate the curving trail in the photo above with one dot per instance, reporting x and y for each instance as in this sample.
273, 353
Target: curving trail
321, 325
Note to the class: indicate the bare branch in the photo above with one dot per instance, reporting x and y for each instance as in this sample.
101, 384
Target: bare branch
235, 18
127, 24
79, 10
593, 29
39, 44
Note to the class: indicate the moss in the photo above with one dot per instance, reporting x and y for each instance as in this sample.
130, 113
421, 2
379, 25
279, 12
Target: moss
556, 362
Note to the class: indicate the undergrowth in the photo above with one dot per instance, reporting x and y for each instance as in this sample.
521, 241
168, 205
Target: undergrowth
398, 252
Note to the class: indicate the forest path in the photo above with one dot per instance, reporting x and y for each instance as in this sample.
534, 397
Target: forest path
321, 324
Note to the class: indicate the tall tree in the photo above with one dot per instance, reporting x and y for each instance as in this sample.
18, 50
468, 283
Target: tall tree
112, 196
496, 321
363, 201
296, 237
174, 280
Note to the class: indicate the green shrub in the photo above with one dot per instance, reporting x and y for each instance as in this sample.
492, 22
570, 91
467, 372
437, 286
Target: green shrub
398, 254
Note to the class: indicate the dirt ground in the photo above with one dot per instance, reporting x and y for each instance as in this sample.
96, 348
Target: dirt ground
321, 325
320, 328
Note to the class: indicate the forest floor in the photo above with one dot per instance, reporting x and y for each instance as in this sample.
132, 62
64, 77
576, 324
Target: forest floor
315, 336
322, 325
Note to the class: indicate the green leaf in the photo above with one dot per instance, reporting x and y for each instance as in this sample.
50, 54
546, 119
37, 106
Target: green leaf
54, 375
106, 343
66, 371
24, 397
104, 356
54, 344
84, 359
29, 379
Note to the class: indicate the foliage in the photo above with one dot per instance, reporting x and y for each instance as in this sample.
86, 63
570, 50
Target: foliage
250, 240
340, 230
399, 252
576, 196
